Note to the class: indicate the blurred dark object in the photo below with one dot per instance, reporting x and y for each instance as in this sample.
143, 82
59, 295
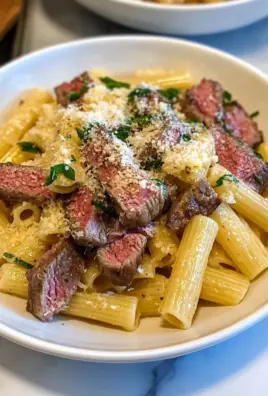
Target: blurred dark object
9, 12
6, 45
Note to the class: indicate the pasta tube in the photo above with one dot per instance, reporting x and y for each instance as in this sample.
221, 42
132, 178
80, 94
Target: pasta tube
25, 213
218, 256
13, 280
116, 310
90, 275
240, 197
184, 286
146, 269
150, 293
240, 242
223, 286
23, 119
263, 150
163, 245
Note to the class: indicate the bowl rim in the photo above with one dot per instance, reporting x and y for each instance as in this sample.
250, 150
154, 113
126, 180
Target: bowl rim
180, 7
144, 354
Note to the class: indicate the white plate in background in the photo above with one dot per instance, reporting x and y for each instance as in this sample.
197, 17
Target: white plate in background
190, 19
89, 341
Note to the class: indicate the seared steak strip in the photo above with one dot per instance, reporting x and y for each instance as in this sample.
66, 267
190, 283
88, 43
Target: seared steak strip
54, 280
204, 102
198, 199
24, 183
240, 160
239, 123
120, 259
138, 199
87, 222
73, 91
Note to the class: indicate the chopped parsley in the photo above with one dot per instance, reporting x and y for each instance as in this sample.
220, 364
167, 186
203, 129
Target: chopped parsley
64, 169
229, 178
29, 147
74, 95
109, 210
153, 163
111, 84
143, 120
138, 92
258, 155
84, 133
159, 182
259, 179
67, 137
73, 159
186, 137
170, 93
228, 99
11, 258
122, 132
255, 114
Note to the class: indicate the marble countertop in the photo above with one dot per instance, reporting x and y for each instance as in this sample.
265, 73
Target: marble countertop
235, 367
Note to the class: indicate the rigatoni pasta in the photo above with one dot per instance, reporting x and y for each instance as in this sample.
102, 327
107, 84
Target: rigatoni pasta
184, 286
240, 242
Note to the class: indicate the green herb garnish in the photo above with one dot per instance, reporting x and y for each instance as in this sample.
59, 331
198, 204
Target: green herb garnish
73, 95
170, 93
138, 92
258, 154
228, 99
186, 137
152, 163
29, 147
73, 159
67, 137
111, 84
64, 169
259, 179
255, 114
159, 182
84, 133
122, 132
11, 258
223, 178
109, 210
143, 120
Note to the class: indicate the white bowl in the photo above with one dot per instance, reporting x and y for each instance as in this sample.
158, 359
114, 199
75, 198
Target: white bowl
180, 19
83, 340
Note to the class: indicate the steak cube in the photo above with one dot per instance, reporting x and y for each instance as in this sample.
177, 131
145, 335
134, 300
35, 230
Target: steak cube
120, 259
241, 125
71, 92
198, 199
54, 280
138, 199
204, 102
87, 223
240, 160
24, 183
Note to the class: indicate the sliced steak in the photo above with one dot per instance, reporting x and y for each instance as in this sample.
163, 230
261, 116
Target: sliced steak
239, 123
54, 280
138, 199
87, 223
73, 91
24, 183
120, 259
204, 102
240, 159
198, 199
